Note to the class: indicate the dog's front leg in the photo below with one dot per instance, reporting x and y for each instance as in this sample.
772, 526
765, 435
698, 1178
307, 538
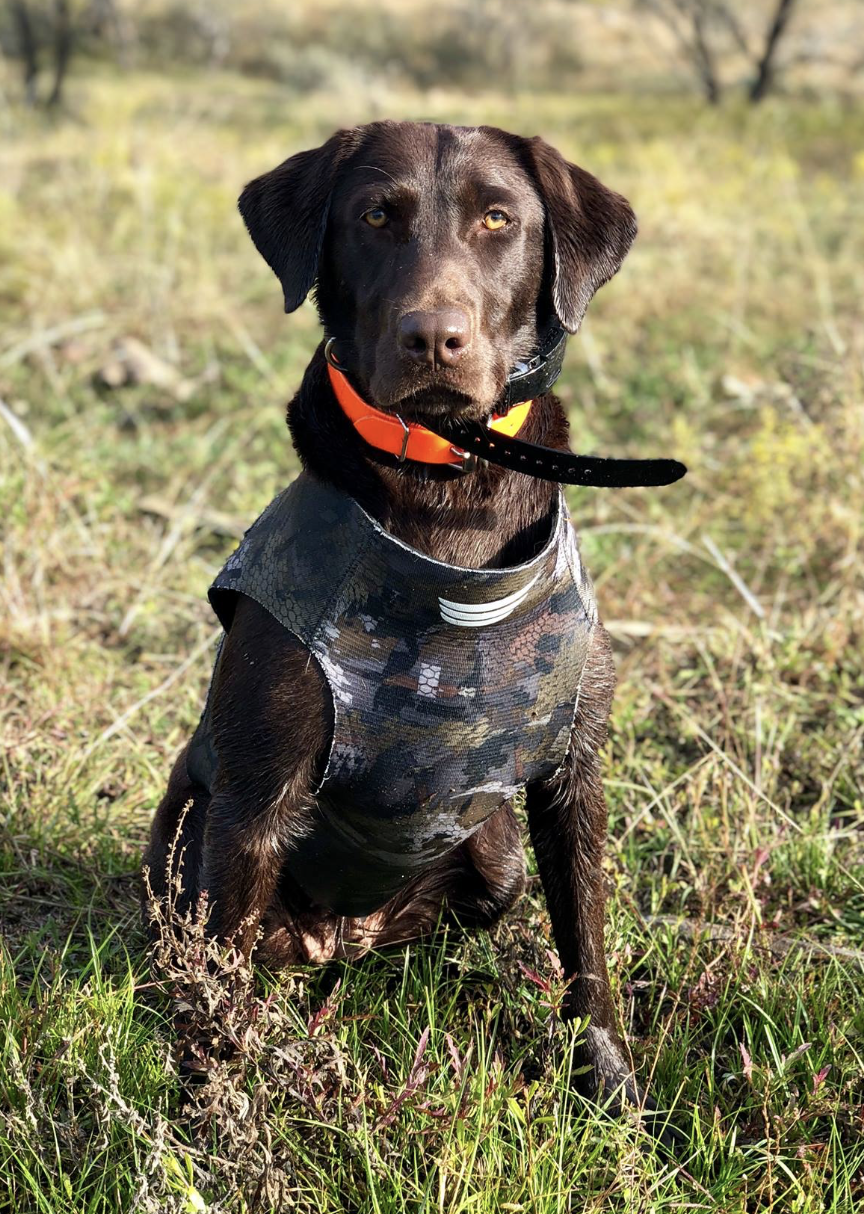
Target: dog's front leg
243, 849
567, 821
271, 725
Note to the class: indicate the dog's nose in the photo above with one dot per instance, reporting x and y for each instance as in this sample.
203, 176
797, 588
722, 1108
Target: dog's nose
435, 337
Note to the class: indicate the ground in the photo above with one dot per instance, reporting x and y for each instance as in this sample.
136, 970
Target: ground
437, 1077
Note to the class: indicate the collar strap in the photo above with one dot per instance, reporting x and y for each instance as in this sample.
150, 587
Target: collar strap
550, 464
409, 440
535, 376
463, 443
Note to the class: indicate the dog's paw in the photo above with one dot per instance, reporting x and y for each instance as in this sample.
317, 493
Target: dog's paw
606, 1079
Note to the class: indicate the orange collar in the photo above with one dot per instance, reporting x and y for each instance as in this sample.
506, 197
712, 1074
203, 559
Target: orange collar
410, 440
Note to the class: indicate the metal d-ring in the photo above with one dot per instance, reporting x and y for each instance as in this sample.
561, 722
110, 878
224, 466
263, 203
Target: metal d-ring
403, 454
329, 356
468, 458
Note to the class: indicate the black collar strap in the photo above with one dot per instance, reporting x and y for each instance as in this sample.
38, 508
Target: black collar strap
547, 464
534, 378
527, 381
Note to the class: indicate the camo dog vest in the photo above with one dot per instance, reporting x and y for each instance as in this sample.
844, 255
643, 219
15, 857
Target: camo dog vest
452, 688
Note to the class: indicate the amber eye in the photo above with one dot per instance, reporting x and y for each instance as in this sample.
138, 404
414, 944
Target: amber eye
494, 220
376, 218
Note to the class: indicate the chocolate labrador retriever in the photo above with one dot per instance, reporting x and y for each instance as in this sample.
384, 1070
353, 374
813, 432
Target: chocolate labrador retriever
410, 640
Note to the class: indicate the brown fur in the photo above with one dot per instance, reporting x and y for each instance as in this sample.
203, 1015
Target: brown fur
567, 234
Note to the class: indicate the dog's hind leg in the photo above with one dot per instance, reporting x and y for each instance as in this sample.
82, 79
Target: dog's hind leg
493, 876
473, 886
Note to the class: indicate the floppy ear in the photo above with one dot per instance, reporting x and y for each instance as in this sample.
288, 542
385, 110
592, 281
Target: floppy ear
286, 212
590, 229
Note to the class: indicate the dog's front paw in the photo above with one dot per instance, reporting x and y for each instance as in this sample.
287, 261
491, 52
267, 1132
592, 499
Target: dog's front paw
605, 1077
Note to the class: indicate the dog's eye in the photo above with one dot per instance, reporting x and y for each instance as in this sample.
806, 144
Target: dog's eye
493, 220
376, 218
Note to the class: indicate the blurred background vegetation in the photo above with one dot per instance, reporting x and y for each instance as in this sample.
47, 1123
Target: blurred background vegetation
343, 45
144, 367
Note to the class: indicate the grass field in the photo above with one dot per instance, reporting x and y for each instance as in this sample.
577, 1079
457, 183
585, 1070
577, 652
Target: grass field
734, 338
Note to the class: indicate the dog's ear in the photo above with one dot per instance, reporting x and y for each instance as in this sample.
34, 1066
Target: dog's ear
590, 229
286, 212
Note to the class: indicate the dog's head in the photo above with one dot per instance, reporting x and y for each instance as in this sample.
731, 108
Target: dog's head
437, 253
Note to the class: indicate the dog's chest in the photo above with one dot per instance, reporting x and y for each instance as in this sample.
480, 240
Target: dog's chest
452, 688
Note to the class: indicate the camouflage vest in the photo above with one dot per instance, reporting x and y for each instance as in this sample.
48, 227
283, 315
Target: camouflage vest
452, 688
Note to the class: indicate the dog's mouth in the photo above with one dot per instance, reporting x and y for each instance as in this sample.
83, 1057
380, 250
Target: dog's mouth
421, 394
434, 403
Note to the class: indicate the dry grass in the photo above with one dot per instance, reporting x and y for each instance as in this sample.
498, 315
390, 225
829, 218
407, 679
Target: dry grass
732, 337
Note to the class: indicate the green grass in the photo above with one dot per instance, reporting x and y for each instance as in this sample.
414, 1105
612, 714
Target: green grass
732, 337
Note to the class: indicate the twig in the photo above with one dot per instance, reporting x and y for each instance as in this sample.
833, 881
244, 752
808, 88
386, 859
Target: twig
25, 438
735, 578
49, 337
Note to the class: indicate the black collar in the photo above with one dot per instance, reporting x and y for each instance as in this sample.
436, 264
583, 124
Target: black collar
534, 378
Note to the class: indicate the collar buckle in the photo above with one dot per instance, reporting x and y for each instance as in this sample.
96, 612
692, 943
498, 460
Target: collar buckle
467, 460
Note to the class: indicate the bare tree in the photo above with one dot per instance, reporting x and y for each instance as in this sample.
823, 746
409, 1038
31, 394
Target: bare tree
44, 33
28, 48
765, 67
62, 49
703, 30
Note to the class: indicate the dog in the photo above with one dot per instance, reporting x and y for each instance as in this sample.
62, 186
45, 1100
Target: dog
439, 257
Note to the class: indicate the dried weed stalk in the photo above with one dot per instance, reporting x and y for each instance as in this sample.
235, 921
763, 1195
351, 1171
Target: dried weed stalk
236, 1050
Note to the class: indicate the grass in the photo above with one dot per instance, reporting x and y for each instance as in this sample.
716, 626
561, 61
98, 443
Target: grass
436, 1077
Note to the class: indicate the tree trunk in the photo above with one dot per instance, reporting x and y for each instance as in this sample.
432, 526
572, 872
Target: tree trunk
29, 52
62, 49
765, 67
704, 60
